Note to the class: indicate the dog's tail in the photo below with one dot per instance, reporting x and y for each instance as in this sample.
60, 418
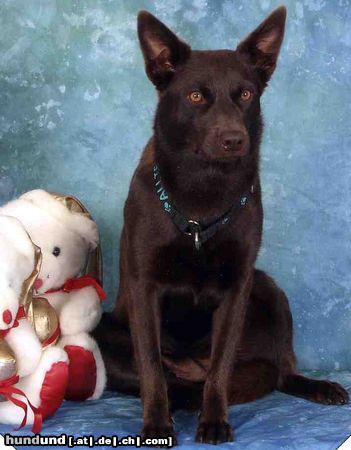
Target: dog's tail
117, 351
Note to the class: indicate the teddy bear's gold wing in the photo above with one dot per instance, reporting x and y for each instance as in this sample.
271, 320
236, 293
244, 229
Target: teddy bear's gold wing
39, 312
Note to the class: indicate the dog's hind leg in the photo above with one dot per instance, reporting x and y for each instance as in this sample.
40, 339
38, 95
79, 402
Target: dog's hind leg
320, 391
289, 381
252, 380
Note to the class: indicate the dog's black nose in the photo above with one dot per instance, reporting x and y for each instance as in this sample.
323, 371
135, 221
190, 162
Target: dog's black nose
233, 141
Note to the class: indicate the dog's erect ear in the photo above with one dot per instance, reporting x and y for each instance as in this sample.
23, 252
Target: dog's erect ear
263, 44
161, 48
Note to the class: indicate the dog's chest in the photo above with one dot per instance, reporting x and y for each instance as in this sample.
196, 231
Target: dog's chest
192, 284
180, 265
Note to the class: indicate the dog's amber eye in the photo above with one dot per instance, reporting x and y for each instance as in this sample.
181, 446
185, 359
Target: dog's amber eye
196, 97
245, 95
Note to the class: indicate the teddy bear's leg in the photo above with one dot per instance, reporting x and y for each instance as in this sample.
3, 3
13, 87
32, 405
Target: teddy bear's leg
52, 378
45, 388
87, 375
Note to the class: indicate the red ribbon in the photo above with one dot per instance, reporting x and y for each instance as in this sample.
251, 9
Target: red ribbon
51, 339
8, 390
79, 283
20, 315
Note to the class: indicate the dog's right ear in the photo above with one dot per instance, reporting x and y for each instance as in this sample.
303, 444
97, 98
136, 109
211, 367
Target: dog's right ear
161, 48
263, 44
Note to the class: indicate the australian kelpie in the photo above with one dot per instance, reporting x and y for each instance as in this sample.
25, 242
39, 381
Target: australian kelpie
195, 324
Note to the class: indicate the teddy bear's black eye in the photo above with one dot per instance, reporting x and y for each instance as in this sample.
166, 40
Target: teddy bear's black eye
56, 251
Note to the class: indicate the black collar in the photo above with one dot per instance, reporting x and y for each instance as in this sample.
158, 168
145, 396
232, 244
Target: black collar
200, 232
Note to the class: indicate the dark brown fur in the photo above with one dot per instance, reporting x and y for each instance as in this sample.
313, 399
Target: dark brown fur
201, 329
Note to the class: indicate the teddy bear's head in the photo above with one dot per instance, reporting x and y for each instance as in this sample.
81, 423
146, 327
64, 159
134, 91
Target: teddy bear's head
64, 237
17, 261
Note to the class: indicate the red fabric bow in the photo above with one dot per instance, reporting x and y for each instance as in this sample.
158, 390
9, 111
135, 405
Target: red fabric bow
20, 315
8, 390
79, 283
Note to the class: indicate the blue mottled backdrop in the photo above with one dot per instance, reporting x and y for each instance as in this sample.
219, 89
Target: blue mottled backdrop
76, 110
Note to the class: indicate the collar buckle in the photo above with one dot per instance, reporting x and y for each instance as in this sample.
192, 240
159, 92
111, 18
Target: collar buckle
195, 229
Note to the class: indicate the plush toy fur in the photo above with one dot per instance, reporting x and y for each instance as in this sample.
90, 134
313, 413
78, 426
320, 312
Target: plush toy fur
43, 375
65, 239
50, 224
16, 264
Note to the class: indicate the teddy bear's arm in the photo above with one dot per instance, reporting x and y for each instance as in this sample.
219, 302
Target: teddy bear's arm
26, 346
57, 300
82, 313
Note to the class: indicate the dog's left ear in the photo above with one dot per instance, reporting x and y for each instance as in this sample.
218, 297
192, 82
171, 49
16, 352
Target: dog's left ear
162, 50
263, 44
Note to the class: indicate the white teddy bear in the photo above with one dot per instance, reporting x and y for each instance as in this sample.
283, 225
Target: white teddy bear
32, 381
66, 239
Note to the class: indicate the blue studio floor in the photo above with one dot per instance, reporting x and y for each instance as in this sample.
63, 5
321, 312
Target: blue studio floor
278, 421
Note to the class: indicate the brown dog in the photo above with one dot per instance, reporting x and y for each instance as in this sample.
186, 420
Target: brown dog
195, 325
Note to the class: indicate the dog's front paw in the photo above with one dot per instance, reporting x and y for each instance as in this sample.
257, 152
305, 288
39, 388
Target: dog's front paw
329, 393
214, 432
151, 435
